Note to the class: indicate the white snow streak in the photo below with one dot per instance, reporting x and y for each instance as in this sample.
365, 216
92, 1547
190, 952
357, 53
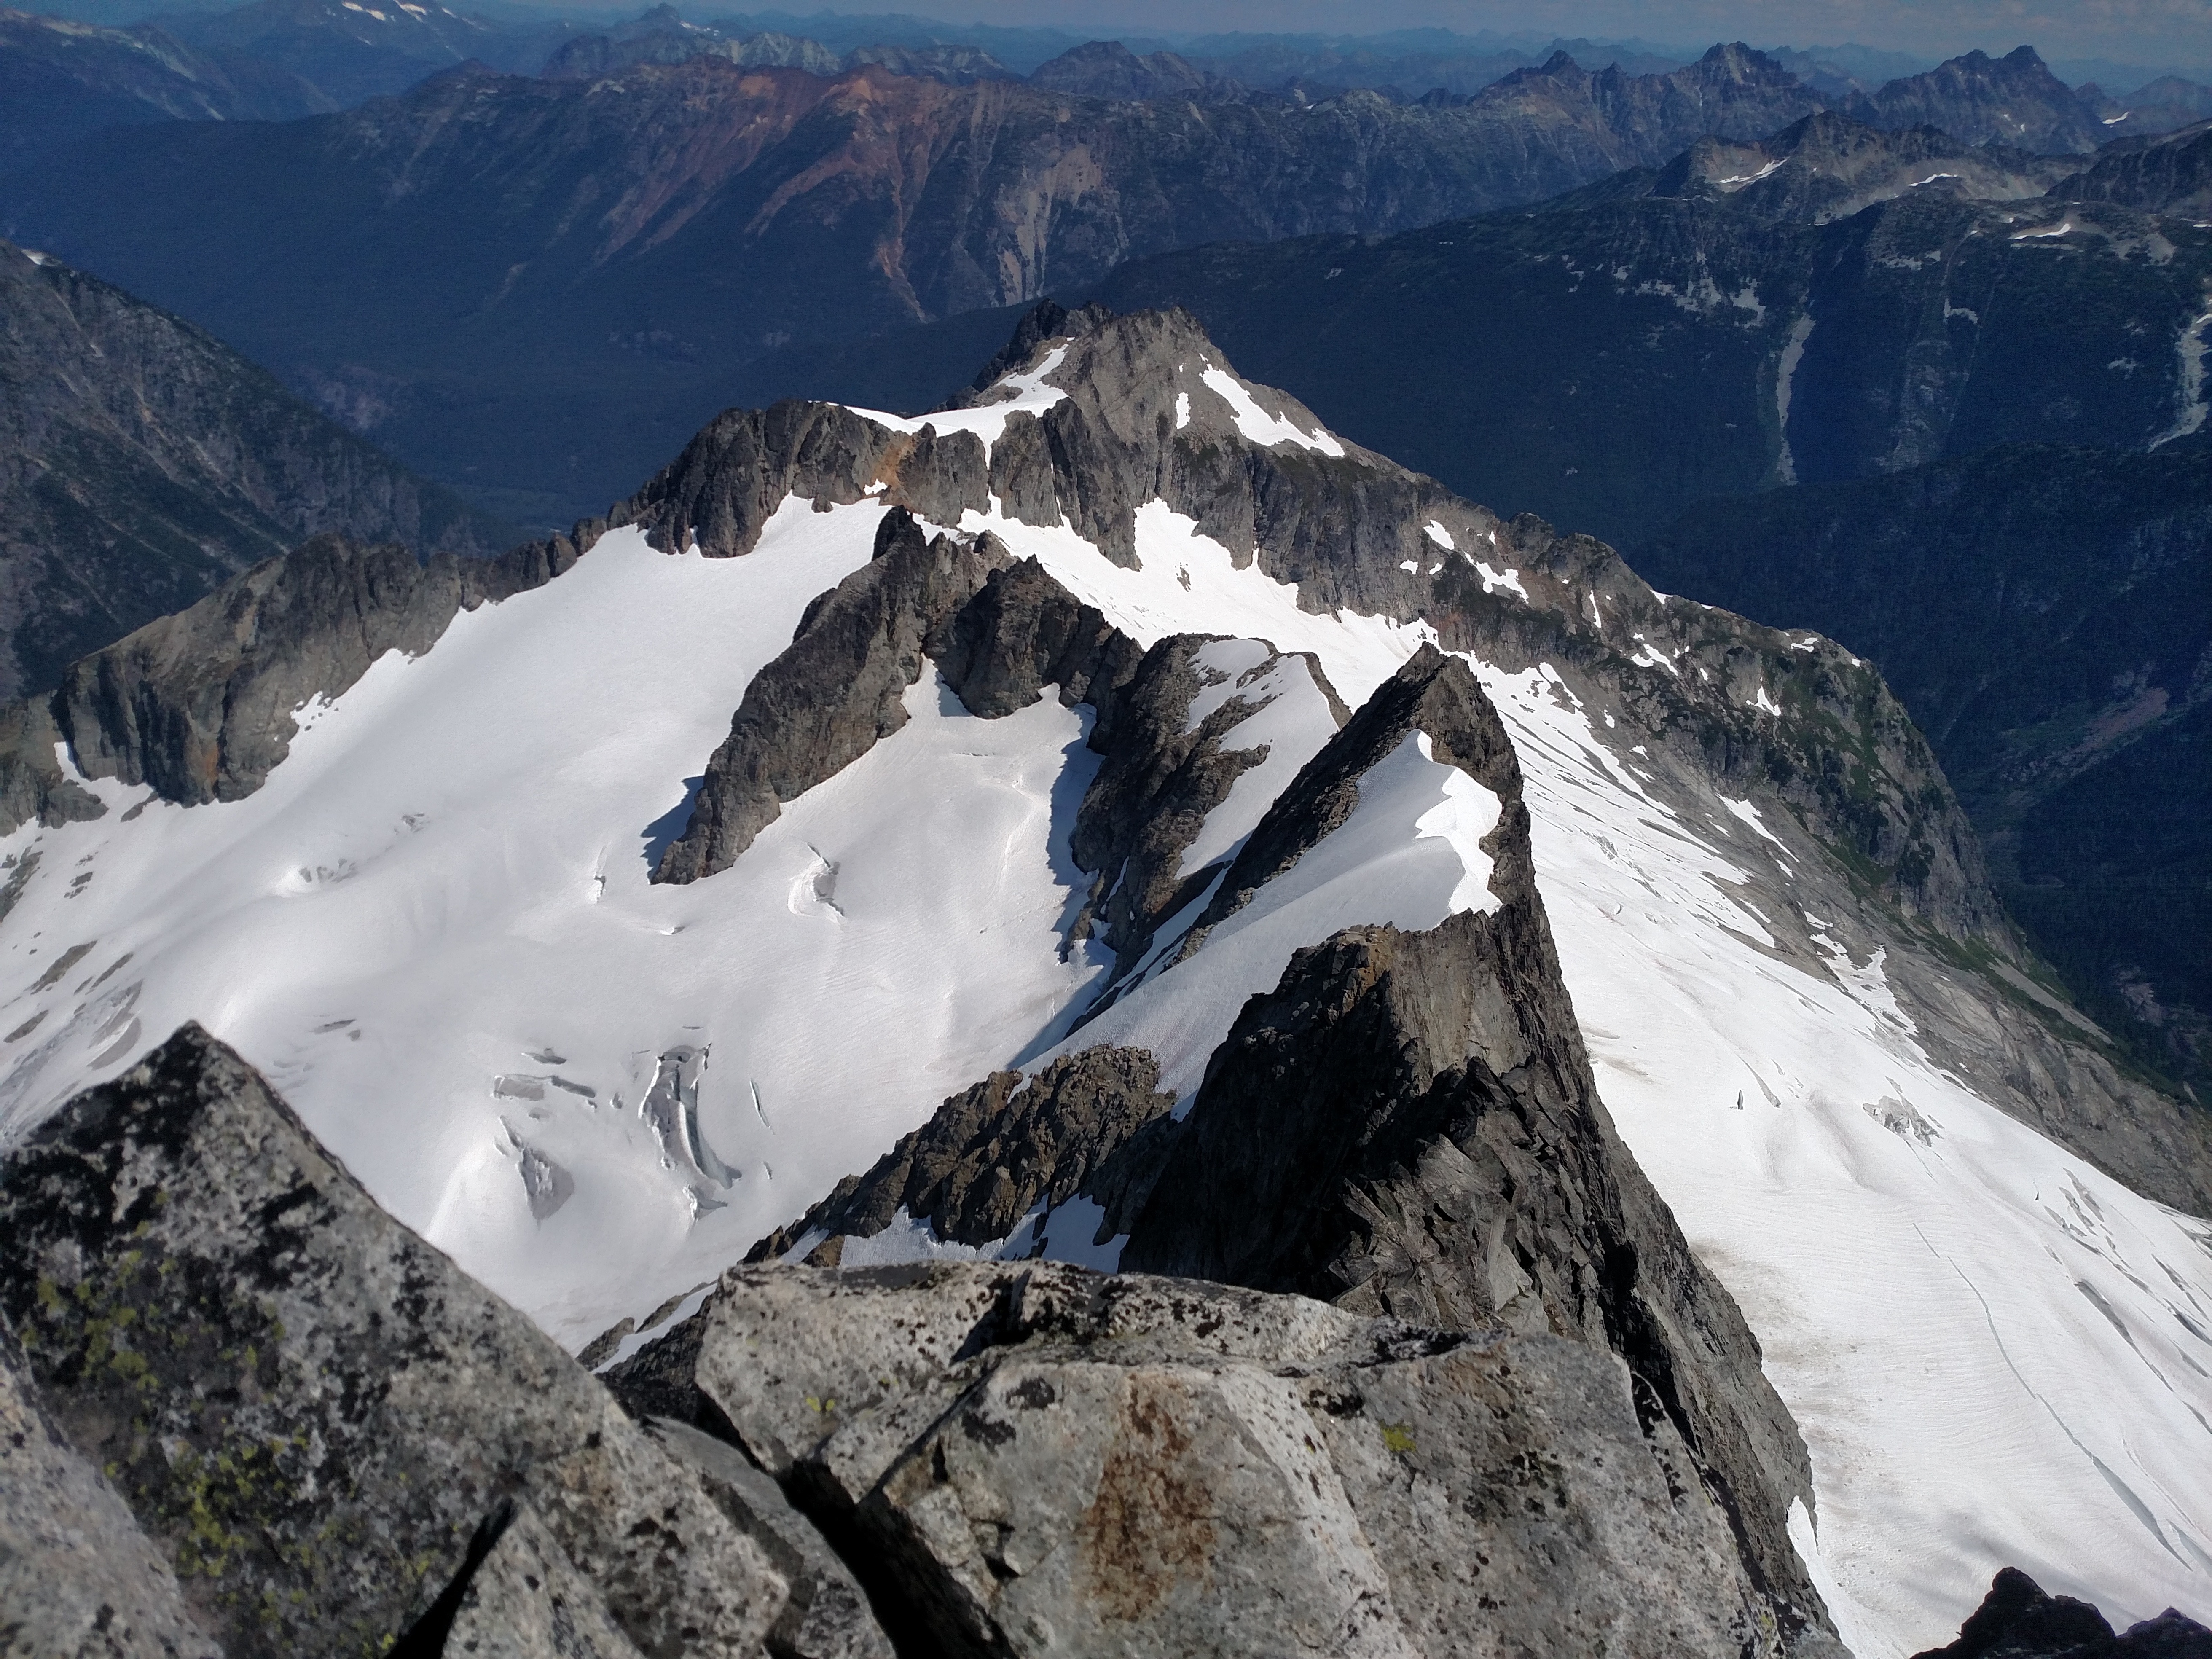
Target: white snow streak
1256, 424
1031, 395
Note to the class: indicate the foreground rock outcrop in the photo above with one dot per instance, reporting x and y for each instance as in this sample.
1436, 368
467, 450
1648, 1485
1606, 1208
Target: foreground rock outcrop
309, 1414
1036, 1459
248, 1414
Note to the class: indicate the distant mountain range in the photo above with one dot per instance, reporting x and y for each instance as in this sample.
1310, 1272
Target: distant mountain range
535, 300
60, 81
539, 284
278, 59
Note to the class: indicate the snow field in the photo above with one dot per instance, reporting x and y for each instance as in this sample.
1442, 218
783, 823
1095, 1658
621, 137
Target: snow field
433, 929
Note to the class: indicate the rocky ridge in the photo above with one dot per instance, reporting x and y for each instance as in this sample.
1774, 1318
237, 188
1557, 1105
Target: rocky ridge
2017, 1618
1368, 1134
1828, 167
200, 706
2014, 100
1345, 527
1017, 1459
1037, 1458
2169, 173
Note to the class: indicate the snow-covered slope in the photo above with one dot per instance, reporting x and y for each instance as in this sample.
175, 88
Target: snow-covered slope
433, 928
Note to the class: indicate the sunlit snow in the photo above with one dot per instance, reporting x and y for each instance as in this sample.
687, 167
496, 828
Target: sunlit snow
1256, 424
433, 929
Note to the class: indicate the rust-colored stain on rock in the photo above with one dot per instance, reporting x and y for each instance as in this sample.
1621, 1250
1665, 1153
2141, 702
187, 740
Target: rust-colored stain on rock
1151, 1520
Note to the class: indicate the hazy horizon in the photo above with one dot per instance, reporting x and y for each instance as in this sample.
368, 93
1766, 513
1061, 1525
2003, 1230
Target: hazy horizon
2092, 40
2157, 36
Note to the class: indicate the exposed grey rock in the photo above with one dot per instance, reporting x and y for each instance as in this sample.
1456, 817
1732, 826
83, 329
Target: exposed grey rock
1022, 632
2014, 99
1827, 167
1431, 693
526, 1600
731, 478
2168, 173
1406, 1125
993, 1153
2018, 1620
1046, 320
308, 1409
835, 690
79, 1578
1043, 1460
1162, 776
828, 1616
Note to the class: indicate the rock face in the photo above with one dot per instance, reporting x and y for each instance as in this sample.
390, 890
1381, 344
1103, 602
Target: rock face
77, 1574
2014, 99
200, 705
309, 1412
1828, 167
1039, 1460
142, 463
2170, 173
2019, 1622
838, 688
992, 1153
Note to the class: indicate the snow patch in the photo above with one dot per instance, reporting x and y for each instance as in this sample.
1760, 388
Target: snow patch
1031, 395
1256, 424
